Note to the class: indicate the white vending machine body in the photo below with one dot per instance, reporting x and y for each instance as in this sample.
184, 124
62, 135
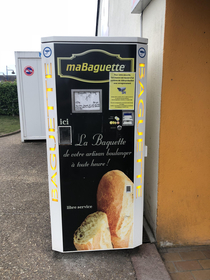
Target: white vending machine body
95, 104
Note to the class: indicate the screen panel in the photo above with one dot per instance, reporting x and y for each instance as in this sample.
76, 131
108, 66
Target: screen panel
86, 100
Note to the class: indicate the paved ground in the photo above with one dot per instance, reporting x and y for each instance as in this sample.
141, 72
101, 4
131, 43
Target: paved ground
25, 242
187, 263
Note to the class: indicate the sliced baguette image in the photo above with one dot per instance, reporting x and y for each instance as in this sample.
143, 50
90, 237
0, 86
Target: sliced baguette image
93, 233
115, 198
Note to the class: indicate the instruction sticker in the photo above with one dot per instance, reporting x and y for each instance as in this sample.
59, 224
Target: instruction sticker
121, 90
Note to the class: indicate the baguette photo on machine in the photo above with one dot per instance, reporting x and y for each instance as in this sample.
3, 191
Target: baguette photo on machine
115, 198
93, 233
111, 226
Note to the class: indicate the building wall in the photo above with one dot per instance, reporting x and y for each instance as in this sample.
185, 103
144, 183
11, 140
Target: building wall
153, 29
177, 181
10, 78
184, 151
103, 20
121, 22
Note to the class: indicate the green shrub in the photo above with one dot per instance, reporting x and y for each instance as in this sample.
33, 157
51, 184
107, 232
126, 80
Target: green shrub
8, 99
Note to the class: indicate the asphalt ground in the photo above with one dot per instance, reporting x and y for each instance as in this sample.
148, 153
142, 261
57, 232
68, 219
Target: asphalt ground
25, 238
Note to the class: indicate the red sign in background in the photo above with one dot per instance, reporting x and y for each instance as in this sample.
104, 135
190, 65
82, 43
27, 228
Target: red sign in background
29, 70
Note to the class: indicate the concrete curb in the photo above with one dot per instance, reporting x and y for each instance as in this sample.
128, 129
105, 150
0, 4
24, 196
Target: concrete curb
148, 264
11, 133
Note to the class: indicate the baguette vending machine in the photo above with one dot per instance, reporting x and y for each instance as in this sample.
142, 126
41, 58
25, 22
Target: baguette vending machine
95, 101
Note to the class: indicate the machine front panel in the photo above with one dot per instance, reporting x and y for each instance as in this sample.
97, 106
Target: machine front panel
93, 138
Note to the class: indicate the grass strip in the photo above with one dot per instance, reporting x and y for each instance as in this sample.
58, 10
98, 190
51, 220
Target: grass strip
9, 124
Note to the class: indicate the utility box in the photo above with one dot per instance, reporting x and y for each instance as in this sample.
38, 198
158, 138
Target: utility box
95, 103
30, 95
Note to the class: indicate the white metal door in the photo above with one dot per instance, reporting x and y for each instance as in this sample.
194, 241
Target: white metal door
32, 99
